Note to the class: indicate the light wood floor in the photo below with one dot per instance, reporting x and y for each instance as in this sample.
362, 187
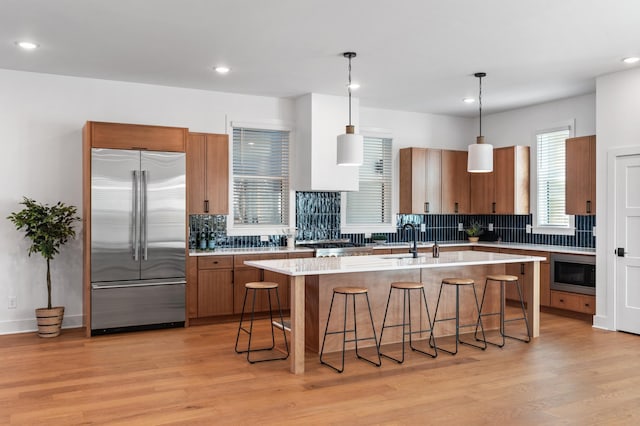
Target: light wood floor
572, 374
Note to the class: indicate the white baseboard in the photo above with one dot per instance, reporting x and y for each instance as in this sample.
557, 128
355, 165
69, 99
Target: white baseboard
602, 322
30, 325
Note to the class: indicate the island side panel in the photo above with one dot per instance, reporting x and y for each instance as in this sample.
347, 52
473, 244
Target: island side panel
533, 307
296, 298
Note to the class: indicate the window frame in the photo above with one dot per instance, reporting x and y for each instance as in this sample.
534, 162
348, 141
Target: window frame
234, 229
362, 228
536, 227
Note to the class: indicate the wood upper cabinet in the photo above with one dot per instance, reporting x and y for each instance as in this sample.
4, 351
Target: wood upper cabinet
420, 181
136, 136
455, 182
581, 175
208, 173
506, 189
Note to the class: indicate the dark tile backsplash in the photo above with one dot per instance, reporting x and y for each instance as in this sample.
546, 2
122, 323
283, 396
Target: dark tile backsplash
318, 218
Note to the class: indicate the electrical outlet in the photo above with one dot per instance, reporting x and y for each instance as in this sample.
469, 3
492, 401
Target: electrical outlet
528, 231
594, 231
13, 302
460, 226
423, 227
490, 227
264, 238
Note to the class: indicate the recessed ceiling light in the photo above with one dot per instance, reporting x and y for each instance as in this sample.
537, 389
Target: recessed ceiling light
27, 45
468, 100
353, 86
631, 60
222, 69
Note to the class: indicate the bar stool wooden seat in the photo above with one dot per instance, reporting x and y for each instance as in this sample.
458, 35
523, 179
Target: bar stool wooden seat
407, 288
460, 283
350, 292
502, 280
269, 287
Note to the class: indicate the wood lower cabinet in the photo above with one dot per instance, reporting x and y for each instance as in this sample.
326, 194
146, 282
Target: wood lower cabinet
573, 302
215, 286
208, 174
136, 136
580, 175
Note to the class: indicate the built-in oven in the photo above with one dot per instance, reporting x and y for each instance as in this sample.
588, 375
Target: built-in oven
573, 273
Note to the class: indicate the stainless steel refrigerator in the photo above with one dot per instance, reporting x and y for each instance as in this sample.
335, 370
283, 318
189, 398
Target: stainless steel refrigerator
138, 228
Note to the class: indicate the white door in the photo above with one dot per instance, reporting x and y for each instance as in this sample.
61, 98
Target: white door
628, 239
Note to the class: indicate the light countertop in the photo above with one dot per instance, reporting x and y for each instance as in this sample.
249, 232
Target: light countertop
389, 262
249, 250
520, 246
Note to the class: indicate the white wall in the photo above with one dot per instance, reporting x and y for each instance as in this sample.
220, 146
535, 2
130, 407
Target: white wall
519, 126
41, 117
618, 103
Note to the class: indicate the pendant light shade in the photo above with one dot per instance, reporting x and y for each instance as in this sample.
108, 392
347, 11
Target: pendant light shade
480, 159
350, 145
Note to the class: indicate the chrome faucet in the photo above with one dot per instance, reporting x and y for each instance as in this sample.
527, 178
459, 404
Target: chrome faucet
414, 250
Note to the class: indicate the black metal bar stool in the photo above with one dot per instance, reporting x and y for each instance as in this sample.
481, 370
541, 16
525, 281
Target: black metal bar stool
502, 280
460, 282
406, 288
255, 287
346, 292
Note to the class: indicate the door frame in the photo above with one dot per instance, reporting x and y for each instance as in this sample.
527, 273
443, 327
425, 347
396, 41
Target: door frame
611, 288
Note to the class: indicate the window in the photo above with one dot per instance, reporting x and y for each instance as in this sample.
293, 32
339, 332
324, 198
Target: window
371, 205
551, 179
260, 177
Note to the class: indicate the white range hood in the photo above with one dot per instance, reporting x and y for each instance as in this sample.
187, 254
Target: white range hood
319, 121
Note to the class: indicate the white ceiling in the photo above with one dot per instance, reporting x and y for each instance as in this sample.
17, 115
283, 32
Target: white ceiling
413, 55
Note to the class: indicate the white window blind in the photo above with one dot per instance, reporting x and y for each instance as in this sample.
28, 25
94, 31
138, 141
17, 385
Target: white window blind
260, 177
372, 203
551, 178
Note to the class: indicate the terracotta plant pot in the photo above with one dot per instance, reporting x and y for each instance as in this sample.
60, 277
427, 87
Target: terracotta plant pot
49, 321
474, 239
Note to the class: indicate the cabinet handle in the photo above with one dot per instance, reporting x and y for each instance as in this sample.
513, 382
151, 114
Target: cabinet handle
493, 207
561, 300
522, 269
206, 206
426, 207
455, 208
586, 305
588, 206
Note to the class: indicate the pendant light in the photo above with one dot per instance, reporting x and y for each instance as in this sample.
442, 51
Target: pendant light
480, 158
350, 145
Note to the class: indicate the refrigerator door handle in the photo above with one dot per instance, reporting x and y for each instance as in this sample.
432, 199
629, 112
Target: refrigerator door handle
134, 216
143, 212
131, 285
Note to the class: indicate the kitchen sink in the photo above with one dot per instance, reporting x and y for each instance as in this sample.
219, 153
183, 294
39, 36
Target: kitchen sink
401, 256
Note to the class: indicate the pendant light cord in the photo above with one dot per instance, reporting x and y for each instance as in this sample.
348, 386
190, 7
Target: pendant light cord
349, 87
480, 104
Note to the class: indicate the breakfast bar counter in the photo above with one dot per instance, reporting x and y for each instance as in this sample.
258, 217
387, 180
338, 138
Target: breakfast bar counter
312, 280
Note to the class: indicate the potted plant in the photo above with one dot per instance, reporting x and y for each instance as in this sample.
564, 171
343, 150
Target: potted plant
48, 228
379, 238
474, 230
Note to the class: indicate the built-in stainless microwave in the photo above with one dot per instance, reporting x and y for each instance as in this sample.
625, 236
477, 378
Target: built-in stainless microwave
573, 273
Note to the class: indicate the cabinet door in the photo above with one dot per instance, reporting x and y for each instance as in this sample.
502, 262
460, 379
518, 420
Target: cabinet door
215, 292
580, 173
524, 271
420, 181
503, 175
208, 173
481, 197
455, 182
217, 175
136, 137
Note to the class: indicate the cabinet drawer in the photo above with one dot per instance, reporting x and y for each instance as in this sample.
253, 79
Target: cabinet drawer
300, 255
573, 302
521, 252
215, 262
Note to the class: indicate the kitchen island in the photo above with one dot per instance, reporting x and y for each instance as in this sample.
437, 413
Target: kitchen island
312, 280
